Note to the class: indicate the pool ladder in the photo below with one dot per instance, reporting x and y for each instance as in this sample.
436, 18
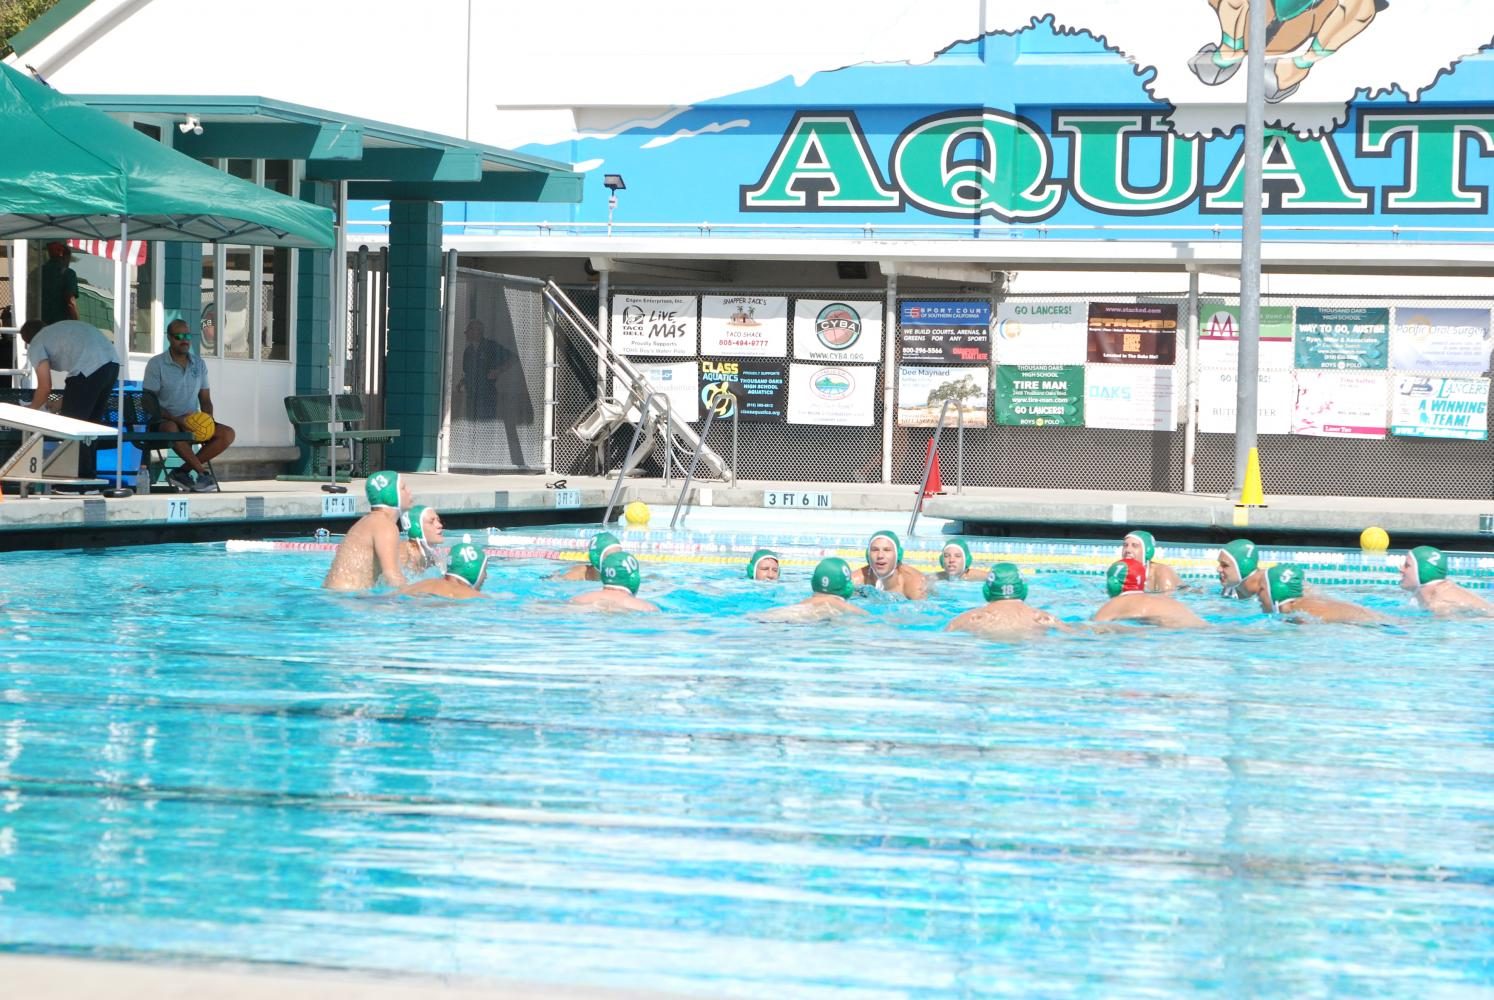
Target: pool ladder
928, 463
711, 411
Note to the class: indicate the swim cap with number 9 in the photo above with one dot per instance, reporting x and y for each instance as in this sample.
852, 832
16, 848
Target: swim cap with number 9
833, 576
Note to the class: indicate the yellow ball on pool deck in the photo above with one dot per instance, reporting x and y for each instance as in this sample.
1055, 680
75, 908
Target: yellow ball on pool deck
636, 514
1374, 539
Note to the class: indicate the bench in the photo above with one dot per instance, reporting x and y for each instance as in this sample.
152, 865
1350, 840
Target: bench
309, 416
156, 452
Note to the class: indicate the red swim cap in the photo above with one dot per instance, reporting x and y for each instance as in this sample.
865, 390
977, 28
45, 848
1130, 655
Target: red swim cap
1125, 576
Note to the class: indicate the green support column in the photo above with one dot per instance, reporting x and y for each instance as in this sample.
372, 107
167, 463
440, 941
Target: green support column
182, 297
412, 399
313, 304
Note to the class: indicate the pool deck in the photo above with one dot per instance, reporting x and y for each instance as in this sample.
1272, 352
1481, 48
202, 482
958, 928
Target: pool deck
266, 508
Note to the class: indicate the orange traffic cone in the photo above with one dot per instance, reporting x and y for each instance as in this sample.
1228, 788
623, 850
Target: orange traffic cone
935, 485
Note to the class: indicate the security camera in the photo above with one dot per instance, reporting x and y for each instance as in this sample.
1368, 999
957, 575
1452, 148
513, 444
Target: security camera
190, 125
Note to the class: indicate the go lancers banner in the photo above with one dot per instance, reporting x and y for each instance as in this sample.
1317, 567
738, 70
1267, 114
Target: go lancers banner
923, 390
946, 333
1441, 408
758, 388
654, 326
832, 394
1041, 333
1028, 396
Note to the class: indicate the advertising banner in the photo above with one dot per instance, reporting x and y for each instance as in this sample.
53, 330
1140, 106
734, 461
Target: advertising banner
654, 326
744, 326
759, 388
1441, 340
1046, 396
837, 395
1340, 404
1130, 397
1276, 395
1441, 408
680, 381
837, 332
1140, 333
946, 333
1343, 338
1219, 338
1041, 333
922, 390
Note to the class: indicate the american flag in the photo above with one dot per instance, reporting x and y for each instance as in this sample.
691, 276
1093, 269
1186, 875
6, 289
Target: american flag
134, 250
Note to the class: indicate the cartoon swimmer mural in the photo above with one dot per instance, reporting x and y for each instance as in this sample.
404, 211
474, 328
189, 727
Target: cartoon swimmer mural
1318, 28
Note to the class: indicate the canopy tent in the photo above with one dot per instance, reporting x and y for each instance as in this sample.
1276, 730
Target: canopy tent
67, 170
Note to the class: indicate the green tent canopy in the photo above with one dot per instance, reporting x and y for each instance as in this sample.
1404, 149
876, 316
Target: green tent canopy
67, 170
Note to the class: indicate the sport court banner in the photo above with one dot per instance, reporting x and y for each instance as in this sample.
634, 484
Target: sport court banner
1440, 408
833, 395
679, 381
1133, 333
654, 326
945, 333
1046, 396
922, 390
834, 331
1217, 396
1455, 341
744, 326
1130, 397
1343, 339
759, 388
1340, 404
1041, 333
1219, 338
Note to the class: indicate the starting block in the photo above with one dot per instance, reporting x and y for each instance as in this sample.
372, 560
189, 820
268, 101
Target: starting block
31, 464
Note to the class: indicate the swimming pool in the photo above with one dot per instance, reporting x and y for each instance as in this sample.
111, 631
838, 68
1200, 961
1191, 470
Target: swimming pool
204, 756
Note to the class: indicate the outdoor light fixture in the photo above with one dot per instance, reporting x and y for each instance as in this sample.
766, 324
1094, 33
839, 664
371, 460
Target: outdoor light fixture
613, 183
190, 125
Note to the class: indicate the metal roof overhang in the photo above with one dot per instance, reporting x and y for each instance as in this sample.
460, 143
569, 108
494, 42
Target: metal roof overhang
378, 161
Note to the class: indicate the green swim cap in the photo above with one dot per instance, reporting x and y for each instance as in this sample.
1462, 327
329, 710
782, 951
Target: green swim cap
468, 562
833, 576
1285, 581
953, 543
1245, 555
382, 489
1431, 564
410, 521
600, 543
758, 557
895, 541
621, 570
1005, 583
1148, 543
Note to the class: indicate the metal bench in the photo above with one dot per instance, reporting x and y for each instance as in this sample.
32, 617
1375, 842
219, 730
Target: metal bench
310, 415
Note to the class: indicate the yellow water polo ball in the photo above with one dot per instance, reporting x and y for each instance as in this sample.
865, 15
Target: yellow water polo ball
201, 425
1374, 539
636, 514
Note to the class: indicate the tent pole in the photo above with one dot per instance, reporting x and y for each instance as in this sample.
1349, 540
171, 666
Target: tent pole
336, 336
122, 349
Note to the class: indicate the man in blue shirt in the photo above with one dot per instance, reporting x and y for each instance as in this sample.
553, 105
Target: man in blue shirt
92, 364
179, 380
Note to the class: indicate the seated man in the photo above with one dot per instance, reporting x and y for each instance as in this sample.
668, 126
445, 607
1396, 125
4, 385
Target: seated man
1142, 547
603, 544
830, 585
369, 552
955, 562
1006, 612
423, 529
763, 565
92, 364
885, 571
1240, 574
179, 380
620, 581
1125, 581
1282, 594
1424, 573
466, 569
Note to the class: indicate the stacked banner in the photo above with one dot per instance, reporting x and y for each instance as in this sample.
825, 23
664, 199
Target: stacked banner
946, 354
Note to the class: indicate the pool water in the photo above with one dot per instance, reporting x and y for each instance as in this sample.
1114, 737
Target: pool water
205, 757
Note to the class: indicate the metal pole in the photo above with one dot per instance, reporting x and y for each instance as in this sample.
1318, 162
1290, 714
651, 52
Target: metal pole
122, 348
889, 369
1190, 434
1247, 373
547, 310
448, 348
337, 335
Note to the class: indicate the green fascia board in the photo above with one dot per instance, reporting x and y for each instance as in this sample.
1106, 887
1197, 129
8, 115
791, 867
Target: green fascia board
507, 185
34, 33
266, 141
459, 165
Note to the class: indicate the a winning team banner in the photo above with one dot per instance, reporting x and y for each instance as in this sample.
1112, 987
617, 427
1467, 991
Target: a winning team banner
1343, 338
1441, 408
1276, 394
758, 388
1441, 340
744, 326
679, 381
655, 326
1130, 397
1133, 333
946, 333
834, 331
1340, 404
1219, 338
922, 390
837, 395
1041, 333
1047, 396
